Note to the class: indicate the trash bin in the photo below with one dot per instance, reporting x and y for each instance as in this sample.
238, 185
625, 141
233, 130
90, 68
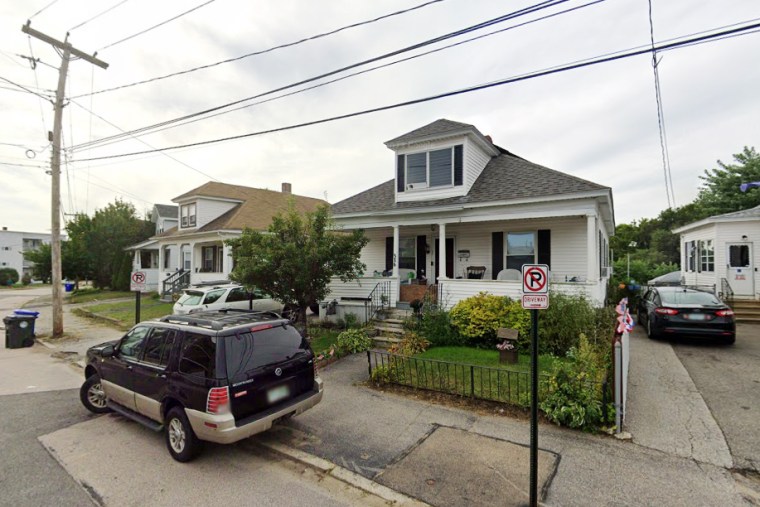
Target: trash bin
18, 331
68, 286
29, 313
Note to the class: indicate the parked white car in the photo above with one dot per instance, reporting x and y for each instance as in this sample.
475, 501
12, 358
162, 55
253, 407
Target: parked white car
219, 297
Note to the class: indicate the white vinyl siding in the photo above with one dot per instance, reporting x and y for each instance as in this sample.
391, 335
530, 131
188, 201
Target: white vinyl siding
475, 160
209, 210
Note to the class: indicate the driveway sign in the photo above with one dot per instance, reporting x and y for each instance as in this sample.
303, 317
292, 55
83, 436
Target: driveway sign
137, 282
535, 278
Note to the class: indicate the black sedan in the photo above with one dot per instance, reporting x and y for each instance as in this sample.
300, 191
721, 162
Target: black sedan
667, 311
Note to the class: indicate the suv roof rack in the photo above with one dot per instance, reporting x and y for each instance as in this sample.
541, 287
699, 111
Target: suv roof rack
220, 319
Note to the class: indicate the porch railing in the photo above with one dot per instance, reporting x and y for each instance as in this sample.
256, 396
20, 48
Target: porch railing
379, 298
726, 292
175, 283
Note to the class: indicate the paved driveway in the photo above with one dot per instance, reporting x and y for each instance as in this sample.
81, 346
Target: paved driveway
728, 377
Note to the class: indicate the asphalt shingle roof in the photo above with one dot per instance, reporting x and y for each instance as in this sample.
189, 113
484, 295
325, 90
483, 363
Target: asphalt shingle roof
505, 177
745, 213
437, 128
167, 210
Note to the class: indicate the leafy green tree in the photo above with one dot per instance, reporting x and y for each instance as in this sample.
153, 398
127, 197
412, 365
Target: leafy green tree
41, 257
720, 191
298, 255
75, 253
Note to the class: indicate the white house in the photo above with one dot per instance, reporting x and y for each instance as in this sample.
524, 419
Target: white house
462, 215
193, 251
718, 252
13, 244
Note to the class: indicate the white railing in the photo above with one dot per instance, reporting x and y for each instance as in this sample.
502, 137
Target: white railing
453, 291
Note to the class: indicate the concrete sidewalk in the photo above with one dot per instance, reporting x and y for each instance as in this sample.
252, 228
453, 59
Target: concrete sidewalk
375, 433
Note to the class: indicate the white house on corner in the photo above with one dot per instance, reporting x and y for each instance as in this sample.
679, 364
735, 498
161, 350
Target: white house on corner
194, 250
718, 253
462, 215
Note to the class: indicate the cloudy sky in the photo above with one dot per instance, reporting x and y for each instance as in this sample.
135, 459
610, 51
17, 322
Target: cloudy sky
597, 123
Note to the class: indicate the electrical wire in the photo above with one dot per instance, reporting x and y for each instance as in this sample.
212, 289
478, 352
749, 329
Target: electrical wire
96, 16
42, 10
591, 62
24, 88
263, 51
506, 17
33, 64
155, 26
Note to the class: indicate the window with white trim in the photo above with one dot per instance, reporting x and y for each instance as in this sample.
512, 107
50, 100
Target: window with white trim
707, 256
520, 249
407, 253
433, 168
187, 212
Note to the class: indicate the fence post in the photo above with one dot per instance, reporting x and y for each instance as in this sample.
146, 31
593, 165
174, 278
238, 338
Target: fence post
369, 364
618, 386
472, 381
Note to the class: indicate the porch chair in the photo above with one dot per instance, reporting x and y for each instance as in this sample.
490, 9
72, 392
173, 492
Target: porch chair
475, 272
509, 274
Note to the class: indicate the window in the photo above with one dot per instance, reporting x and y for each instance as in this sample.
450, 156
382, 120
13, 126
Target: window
158, 347
248, 351
188, 215
407, 258
238, 294
212, 259
146, 259
186, 259
521, 249
436, 168
198, 356
213, 296
131, 344
707, 256
738, 256
691, 256
167, 258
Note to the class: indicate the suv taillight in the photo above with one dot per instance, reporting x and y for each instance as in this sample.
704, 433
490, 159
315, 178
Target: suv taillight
666, 311
218, 400
724, 313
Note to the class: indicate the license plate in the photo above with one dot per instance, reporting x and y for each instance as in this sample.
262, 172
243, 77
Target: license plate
697, 316
277, 394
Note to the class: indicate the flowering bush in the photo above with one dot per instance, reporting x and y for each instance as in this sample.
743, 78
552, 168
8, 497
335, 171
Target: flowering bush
506, 345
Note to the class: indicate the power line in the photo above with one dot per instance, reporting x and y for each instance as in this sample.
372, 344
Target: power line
42, 10
263, 51
96, 16
590, 62
33, 64
506, 17
24, 88
155, 26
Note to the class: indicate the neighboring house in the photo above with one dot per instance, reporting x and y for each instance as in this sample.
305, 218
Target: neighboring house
13, 244
463, 215
166, 217
194, 251
718, 253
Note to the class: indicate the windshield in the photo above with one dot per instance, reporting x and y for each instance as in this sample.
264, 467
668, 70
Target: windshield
689, 298
190, 298
249, 351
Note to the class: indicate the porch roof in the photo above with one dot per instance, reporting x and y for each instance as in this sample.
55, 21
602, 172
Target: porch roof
505, 177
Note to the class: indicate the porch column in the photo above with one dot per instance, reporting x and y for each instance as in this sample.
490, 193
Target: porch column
136, 261
396, 241
591, 248
442, 251
160, 261
226, 259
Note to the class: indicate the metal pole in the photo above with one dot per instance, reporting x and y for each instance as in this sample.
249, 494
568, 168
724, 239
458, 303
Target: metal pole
534, 408
137, 307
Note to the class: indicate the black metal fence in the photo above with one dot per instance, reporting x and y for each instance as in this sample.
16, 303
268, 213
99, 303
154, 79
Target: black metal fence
468, 380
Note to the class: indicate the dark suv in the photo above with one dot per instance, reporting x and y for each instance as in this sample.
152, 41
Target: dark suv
217, 376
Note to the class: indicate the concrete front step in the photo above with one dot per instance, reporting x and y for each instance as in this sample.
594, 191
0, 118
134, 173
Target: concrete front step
399, 322
390, 329
385, 341
747, 320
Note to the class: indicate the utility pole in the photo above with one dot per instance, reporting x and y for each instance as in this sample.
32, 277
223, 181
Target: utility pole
55, 166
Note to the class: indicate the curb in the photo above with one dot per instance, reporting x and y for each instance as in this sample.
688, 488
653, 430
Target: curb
344, 475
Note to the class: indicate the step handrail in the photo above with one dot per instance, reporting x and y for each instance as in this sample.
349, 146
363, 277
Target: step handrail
176, 282
726, 292
379, 298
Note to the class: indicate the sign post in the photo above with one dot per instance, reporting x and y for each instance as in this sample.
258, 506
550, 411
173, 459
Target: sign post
535, 297
138, 285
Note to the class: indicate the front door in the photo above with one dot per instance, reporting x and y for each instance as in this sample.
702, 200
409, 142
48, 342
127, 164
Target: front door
740, 273
449, 258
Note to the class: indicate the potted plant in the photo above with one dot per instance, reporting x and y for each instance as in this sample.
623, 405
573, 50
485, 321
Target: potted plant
507, 352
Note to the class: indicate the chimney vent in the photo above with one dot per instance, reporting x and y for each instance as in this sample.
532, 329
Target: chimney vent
489, 139
287, 188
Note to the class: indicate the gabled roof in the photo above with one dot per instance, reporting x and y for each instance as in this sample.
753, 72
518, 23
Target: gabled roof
504, 178
255, 209
739, 216
167, 210
440, 129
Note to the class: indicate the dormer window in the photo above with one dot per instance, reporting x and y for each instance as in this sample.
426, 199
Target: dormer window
430, 169
188, 215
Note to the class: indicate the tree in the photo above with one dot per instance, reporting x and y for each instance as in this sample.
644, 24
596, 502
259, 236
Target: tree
41, 257
76, 258
298, 255
720, 191
8, 276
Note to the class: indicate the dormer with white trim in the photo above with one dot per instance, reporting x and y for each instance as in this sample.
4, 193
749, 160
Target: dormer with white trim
195, 211
440, 160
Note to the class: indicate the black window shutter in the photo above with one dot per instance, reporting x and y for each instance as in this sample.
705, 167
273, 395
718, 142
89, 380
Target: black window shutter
389, 253
497, 253
699, 256
400, 173
421, 259
545, 247
458, 166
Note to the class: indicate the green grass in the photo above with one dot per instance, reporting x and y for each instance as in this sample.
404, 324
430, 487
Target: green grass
124, 311
88, 295
486, 357
322, 339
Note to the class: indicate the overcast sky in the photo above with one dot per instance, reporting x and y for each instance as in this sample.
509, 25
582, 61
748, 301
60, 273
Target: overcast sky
597, 123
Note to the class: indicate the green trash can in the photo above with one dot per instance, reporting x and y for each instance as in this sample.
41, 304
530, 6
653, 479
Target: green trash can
19, 331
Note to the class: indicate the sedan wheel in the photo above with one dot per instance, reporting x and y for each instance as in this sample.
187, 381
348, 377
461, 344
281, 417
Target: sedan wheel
650, 333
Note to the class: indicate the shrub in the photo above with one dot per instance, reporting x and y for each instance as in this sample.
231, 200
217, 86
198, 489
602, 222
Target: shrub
352, 341
26, 279
567, 318
8, 276
435, 325
574, 389
411, 343
478, 317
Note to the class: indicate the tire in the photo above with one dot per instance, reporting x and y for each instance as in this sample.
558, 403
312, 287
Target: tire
181, 441
730, 340
651, 334
92, 396
291, 313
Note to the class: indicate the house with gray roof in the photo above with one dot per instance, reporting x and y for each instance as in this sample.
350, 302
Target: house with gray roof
718, 253
462, 215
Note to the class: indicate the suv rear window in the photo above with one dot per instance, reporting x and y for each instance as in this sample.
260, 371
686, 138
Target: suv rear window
249, 351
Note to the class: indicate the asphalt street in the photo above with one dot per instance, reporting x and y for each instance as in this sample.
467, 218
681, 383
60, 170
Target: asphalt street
728, 377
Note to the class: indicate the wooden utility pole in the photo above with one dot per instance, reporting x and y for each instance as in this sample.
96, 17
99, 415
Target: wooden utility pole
55, 166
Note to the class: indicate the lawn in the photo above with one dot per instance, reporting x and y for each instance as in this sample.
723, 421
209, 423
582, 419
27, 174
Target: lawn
487, 357
322, 339
124, 311
88, 295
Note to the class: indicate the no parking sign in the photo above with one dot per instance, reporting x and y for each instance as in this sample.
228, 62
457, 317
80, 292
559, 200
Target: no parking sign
535, 289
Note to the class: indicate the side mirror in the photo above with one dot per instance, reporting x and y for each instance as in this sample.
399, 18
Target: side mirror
108, 351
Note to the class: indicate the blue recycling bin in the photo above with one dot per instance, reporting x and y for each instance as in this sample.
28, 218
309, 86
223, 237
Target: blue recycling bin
31, 317
68, 286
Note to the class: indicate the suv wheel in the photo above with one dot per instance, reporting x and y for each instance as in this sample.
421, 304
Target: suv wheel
92, 395
291, 313
181, 441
